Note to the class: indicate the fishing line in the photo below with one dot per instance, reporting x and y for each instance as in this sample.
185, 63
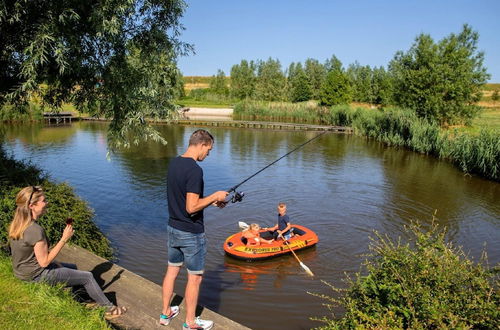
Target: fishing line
238, 196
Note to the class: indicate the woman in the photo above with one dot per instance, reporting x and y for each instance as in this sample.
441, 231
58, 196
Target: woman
31, 258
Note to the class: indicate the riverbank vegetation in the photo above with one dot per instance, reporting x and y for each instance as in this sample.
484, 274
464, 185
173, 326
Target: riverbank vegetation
424, 284
63, 203
40, 306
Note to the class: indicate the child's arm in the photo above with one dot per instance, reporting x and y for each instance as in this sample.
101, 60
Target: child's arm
287, 228
273, 228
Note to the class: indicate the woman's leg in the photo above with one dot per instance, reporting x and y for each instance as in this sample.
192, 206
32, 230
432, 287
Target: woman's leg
72, 277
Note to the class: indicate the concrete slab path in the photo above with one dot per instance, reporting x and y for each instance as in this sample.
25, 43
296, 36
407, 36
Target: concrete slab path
141, 296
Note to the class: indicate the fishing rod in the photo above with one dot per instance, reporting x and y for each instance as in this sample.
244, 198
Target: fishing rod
238, 196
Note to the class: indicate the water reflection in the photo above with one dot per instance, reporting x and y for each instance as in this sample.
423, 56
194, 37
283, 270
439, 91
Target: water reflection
342, 187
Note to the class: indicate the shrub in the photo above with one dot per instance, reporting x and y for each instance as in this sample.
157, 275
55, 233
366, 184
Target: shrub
425, 284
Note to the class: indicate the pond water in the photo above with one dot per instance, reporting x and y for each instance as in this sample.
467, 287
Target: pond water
343, 187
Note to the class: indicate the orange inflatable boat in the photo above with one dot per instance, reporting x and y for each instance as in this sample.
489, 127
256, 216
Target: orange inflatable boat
235, 245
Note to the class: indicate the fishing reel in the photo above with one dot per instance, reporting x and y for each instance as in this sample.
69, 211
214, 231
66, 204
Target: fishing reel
237, 196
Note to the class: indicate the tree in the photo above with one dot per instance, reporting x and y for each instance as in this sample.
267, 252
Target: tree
218, 83
441, 81
362, 79
316, 74
300, 89
115, 59
381, 86
243, 79
336, 88
271, 81
494, 96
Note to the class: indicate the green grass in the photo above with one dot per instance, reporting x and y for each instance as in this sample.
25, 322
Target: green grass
40, 306
488, 119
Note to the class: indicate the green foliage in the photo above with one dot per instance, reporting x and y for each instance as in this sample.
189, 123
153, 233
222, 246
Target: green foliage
316, 73
218, 83
271, 82
361, 78
207, 95
306, 112
425, 284
441, 81
41, 306
115, 59
336, 89
243, 79
494, 95
477, 153
370, 85
299, 87
63, 203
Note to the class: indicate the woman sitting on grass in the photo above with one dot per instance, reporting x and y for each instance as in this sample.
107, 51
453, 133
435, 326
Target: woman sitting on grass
31, 258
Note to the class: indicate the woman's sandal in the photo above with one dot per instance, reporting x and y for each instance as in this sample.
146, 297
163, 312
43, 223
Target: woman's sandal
115, 311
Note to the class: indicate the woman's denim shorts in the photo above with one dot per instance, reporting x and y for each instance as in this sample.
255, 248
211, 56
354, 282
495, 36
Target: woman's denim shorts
187, 248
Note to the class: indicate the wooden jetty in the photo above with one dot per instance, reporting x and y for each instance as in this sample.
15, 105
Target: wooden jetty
248, 124
266, 125
141, 296
57, 117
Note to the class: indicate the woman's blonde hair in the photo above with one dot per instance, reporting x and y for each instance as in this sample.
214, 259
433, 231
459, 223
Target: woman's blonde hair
23, 217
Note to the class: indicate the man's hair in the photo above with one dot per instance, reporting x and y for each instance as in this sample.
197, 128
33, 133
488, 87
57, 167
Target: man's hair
281, 205
201, 136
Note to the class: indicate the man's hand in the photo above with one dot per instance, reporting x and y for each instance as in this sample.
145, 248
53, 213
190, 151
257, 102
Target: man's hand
220, 205
220, 196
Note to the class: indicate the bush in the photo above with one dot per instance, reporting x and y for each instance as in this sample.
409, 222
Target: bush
425, 284
63, 203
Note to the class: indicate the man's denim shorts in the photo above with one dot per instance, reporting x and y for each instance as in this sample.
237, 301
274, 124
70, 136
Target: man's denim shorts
188, 248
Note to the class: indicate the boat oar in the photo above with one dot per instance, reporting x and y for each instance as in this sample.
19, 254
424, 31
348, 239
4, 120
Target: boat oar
243, 225
308, 271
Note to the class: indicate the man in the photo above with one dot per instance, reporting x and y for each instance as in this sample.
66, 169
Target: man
186, 232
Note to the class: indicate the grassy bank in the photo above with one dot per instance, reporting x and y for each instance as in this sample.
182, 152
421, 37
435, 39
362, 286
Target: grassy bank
426, 283
40, 306
473, 153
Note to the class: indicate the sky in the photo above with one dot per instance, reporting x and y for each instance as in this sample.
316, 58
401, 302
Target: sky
224, 32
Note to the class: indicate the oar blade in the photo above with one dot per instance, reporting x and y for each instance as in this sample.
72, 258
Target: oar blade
243, 225
308, 271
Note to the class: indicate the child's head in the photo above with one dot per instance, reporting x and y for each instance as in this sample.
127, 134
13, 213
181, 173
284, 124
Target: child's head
281, 208
254, 227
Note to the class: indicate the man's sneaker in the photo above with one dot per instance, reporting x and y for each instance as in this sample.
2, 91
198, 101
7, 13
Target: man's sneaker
165, 319
200, 325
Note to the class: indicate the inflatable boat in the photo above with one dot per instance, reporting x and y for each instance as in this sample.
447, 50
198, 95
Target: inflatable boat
235, 245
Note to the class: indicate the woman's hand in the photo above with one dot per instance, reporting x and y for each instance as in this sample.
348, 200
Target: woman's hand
67, 233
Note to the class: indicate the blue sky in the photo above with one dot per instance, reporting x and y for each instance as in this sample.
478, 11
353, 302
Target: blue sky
224, 32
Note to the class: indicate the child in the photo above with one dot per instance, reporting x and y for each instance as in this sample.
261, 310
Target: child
283, 227
253, 236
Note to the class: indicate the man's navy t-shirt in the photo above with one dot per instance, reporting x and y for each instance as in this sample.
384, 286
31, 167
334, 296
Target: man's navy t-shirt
184, 175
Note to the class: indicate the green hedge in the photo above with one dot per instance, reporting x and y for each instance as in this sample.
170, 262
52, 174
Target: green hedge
424, 284
63, 203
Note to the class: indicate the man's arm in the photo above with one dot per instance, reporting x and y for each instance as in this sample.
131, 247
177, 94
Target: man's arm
194, 203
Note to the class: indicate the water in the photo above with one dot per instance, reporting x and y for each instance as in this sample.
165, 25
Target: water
343, 187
